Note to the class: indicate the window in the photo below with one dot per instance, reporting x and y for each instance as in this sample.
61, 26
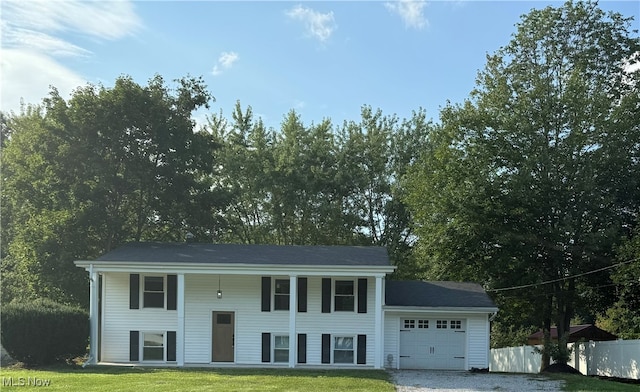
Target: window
344, 295
281, 349
441, 324
409, 323
342, 349
456, 324
153, 346
281, 296
423, 324
153, 294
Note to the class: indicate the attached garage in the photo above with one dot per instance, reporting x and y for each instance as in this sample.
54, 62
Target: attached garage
437, 325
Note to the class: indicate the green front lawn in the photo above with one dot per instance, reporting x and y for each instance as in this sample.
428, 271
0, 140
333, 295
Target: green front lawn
576, 382
113, 379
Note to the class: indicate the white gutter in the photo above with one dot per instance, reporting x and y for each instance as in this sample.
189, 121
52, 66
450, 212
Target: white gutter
436, 309
236, 268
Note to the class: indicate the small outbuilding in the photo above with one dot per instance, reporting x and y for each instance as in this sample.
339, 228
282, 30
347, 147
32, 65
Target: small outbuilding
576, 333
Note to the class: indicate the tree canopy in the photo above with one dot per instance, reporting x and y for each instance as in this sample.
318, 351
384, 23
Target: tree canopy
530, 182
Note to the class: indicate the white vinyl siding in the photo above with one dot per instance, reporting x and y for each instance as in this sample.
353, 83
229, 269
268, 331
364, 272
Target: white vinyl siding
118, 319
242, 294
315, 323
478, 341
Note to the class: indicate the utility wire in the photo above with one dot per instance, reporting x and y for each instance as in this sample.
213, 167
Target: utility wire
524, 286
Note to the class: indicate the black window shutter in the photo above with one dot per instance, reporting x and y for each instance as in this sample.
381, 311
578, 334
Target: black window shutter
134, 346
266, 347
266, 293
302, 294
362, 350
326, 348
302, 348
326, 295
171, 345
134, 291
172, 292
362, 295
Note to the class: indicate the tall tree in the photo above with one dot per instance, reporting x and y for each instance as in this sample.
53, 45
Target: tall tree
520, 188
109, 165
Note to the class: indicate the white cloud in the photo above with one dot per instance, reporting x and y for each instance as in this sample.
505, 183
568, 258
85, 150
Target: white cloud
318, 25
27, 75
228, 58
42, 43
411, 12
225, 61
105, 19
32, 38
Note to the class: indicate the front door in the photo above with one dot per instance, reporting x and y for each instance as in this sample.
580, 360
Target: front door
222, 337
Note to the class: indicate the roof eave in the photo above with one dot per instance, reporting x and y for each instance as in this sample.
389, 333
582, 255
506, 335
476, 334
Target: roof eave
234, 268
441, 309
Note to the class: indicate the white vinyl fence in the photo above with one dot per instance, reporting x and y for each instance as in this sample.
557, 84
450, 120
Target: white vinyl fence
616, 358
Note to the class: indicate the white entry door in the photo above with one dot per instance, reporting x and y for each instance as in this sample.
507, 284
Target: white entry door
432, 343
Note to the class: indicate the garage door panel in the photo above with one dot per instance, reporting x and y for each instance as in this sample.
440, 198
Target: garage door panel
432, 344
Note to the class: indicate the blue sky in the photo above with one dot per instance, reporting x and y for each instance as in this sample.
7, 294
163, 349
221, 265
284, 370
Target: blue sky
323, 59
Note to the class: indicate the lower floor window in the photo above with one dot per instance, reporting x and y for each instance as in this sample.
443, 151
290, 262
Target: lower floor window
153, 347
342, 349
281, 349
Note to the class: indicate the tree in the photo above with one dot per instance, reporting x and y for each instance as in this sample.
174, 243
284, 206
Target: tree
520, 187
109, 165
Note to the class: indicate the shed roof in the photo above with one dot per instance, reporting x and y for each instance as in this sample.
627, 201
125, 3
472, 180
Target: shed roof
436, 294
162, 252
576, 332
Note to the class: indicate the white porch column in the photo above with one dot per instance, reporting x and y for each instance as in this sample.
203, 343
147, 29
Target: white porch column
293, 309
180, 327
93, 315
379, 324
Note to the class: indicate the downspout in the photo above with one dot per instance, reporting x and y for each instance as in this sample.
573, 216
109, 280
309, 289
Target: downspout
493, 315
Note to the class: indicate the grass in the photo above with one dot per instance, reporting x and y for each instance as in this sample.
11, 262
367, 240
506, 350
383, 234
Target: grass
576, 382
112, 379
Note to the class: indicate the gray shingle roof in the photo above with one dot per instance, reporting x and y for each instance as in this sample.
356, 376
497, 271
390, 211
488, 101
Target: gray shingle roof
436, 294
157, 252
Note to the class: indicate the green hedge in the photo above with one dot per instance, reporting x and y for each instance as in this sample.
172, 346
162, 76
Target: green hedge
43, 331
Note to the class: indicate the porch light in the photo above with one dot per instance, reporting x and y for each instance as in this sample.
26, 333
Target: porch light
219, 293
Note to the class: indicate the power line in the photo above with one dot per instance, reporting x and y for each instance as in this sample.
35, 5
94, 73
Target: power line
524, 286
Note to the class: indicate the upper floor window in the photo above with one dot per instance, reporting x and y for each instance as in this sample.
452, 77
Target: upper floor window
344, 299
281, 296
153, 295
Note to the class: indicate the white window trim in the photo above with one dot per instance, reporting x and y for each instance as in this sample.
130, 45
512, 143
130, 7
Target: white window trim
164, 347
355, 348
273, 294
273, 348
164, 291
355, 295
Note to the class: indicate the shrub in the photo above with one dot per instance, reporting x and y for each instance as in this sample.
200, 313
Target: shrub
42, 331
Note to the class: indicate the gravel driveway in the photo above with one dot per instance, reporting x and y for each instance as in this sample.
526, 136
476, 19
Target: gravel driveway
462, 381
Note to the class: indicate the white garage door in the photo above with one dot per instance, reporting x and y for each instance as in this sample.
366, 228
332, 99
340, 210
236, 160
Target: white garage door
432, 343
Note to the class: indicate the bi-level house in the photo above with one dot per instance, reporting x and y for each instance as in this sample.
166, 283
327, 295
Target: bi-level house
188, 304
